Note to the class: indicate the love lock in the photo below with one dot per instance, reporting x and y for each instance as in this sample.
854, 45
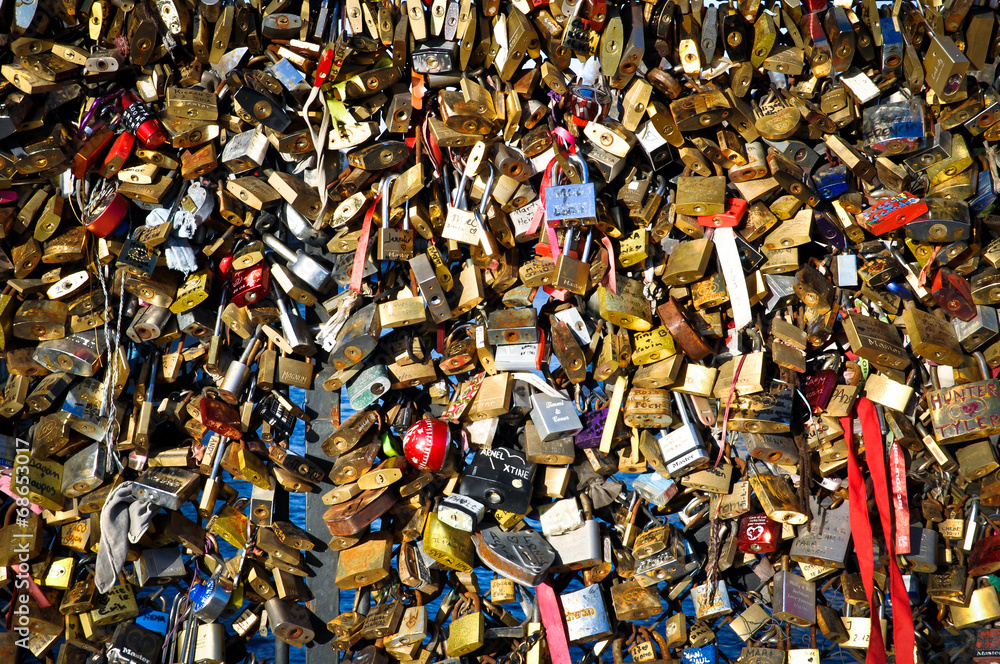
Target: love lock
695, 511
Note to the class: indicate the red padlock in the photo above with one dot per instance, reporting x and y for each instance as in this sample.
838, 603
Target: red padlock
117, 155
728, 218
758, 534
892, 213
103, 214
598, 13
426, 443
225, 268
819, 385
250, 284
140, 121
953, 294
323, 68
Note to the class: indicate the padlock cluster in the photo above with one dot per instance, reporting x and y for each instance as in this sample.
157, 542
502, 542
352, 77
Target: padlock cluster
668, 331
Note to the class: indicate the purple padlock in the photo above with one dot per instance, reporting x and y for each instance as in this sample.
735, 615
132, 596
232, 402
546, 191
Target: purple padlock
593, 428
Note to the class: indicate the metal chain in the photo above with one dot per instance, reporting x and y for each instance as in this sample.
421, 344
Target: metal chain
108, 407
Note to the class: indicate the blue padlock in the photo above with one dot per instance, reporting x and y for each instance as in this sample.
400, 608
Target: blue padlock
704, 655
572, 202
831, 181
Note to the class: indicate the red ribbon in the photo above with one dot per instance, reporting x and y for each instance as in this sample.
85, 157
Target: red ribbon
361, 253
861, 532
536, 221
902, 632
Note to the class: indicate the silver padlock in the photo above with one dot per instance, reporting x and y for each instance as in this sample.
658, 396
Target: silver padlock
794, 599
655, 488
554, 417
682, 448
461, 512
586, 614
289, 621
157, 567
430, 288
303, 266
84, 471
580, 548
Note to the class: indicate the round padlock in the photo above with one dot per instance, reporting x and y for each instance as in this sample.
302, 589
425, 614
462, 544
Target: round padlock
426, 444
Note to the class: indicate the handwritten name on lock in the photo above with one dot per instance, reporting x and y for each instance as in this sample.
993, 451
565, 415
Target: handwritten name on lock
502, 455
965, 409
575, 201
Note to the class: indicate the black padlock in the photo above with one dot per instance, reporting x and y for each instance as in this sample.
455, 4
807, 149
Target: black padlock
501, 478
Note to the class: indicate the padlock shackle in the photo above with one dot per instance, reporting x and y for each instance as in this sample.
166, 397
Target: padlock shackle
459, 199
218, 316
585, 255
154, 365
681, 408
219, 453
586, 504
550, 172
984, 367
278, 246
279, 299
385, 187
581, 163
661, 186
251, 346
570, 232
484, 202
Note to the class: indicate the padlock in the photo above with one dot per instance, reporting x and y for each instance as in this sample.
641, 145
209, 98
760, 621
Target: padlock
554, 417
573, 274
573, 202
585, 612
681, 449
580, 548
289, 621
983, 605
468, 630
509, 489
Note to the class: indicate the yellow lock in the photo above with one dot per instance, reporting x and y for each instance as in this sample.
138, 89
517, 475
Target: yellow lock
449, 546
629, 308
468, 626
